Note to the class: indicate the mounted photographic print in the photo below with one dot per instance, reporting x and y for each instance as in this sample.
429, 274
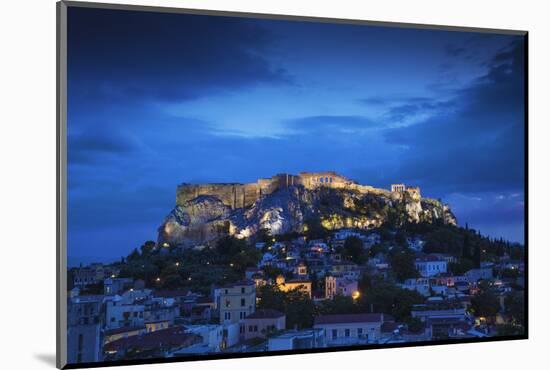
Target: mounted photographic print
235, 185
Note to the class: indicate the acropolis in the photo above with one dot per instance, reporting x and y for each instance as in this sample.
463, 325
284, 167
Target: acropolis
238, 195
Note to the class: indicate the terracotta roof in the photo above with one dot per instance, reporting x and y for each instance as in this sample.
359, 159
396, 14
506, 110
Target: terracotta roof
239, 283
349, 318
171, 293
265, 314
172, 337
125, 329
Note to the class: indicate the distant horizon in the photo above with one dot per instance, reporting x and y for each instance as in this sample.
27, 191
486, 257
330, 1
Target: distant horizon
209, 99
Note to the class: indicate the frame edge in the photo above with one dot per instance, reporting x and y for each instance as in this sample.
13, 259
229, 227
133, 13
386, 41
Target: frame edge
61, 182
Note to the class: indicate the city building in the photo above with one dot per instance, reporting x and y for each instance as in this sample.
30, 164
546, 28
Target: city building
84, 337
349, 329
119, 313
430, 265
263, 322
340, 285
113, 286
297, 339
287, 285
236, 301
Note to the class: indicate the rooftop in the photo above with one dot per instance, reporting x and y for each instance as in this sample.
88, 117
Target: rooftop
349, 318
124, 330
238, 283
171, 293
266, 314
172, 337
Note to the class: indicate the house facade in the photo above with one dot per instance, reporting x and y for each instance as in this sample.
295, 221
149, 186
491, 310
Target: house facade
340, 285
236, 301
429, 266
350, 329
263, 322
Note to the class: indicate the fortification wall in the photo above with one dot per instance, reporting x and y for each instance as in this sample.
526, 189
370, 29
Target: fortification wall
232, 195
312, 180
237, 195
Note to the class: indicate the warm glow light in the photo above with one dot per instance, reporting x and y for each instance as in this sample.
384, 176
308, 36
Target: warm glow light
165, 245
158, 279
356, 295
231, 265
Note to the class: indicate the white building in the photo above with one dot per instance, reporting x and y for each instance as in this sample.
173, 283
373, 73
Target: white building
294, 339
119, 313
420, 285
429, 266
212, 335
349, 329
340, 285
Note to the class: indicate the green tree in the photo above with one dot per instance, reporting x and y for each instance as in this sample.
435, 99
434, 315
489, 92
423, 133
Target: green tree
415, 325
134, 255
514, 304
339, 305
148, 247
314, 229
388, 298
402, 264
459, 268
476, 258
296, 304
353, 249
485, 304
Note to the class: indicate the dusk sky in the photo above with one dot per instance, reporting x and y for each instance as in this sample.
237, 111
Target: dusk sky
156, 99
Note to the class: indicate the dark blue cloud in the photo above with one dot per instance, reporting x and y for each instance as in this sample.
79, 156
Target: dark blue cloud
159, 99
131, 55
93, 146
478, 147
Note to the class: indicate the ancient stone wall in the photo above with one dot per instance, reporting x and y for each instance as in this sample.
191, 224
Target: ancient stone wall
329, 178
232, 195
237, 195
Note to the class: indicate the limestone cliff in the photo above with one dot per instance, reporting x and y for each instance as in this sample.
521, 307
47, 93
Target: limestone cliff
203, 218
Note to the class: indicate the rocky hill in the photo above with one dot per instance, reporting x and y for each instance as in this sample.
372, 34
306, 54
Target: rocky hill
204, 218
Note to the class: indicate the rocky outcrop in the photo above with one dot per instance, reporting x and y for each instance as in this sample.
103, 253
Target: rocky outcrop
203, 219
